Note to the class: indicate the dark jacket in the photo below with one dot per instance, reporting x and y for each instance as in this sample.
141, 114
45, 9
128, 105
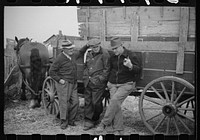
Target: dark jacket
63, 68
119, 73
97, 67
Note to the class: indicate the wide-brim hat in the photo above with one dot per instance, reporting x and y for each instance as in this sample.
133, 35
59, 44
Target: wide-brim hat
94, 42
66, 44
115, 42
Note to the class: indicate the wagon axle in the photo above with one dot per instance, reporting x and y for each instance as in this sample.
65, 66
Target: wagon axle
169, 110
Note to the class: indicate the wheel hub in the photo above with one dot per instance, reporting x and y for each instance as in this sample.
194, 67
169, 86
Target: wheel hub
169, 110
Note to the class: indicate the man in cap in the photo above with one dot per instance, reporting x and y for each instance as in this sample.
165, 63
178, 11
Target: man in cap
64, 72
97, 66
121, 82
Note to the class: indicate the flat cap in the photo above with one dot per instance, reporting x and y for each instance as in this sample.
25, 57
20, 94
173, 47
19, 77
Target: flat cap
94, 42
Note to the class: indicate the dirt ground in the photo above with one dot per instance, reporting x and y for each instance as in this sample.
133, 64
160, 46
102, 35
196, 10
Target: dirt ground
20, 120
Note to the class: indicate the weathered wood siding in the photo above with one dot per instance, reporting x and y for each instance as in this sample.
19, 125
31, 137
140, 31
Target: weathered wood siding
152, 21
10, 58
165, 36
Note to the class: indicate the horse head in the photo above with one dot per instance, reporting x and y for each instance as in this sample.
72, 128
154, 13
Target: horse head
20, 43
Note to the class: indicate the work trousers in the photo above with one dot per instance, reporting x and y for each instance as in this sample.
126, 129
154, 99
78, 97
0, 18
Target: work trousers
93, 102
118, 93
68, 100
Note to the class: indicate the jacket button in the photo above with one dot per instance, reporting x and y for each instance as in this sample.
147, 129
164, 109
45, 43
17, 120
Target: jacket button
89, 77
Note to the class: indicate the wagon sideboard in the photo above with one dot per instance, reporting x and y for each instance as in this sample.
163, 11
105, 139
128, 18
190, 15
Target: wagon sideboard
164, 37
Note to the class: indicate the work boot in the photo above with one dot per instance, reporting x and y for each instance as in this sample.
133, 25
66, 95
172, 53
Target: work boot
32, 103
100, 128
56, 121
72, 123
109, 129
64, 124
88, 126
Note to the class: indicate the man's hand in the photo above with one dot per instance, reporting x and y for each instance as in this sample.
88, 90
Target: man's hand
61, 81
127, 63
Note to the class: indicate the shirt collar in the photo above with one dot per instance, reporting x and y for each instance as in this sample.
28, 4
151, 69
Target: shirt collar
67, 55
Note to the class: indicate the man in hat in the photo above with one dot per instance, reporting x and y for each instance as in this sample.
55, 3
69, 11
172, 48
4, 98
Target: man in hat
97, 66
121, 82
64, 72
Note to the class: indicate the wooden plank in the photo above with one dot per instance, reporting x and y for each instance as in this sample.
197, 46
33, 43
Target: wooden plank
184, 19
168, 63
148, 46
150, 75
192, 28
151, 23
159, 28
134, 27
87, 25
103, 26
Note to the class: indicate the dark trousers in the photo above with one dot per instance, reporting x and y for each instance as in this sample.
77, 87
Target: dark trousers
93, 102
68, 100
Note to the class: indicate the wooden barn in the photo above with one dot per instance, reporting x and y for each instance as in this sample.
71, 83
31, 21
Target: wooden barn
164, 36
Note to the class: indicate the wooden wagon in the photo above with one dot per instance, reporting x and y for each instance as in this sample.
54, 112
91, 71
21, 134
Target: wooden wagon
164, 39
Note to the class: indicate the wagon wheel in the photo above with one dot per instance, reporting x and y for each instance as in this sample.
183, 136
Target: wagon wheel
49, 96
167, 106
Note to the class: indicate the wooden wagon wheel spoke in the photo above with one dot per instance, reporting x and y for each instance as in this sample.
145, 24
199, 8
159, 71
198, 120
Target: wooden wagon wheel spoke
180, 95
51, 108
48, 85
49, 92
172, 94
175, 123
158, 94
48, 105
168, 124
153, 108
187, 109
187, 100
178, 118
154, 117
159, 123
185, 116
165, 91
152, 100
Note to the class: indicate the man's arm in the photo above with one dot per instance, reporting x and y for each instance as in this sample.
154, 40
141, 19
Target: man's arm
54, 69
81, 52
136, 67
106, 70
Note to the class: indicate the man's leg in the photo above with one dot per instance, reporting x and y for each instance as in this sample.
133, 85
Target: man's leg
63, 98
73, 103
121, 94
97, 98
88, 108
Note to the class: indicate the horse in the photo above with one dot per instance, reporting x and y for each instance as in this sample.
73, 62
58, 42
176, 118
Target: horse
33, 62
